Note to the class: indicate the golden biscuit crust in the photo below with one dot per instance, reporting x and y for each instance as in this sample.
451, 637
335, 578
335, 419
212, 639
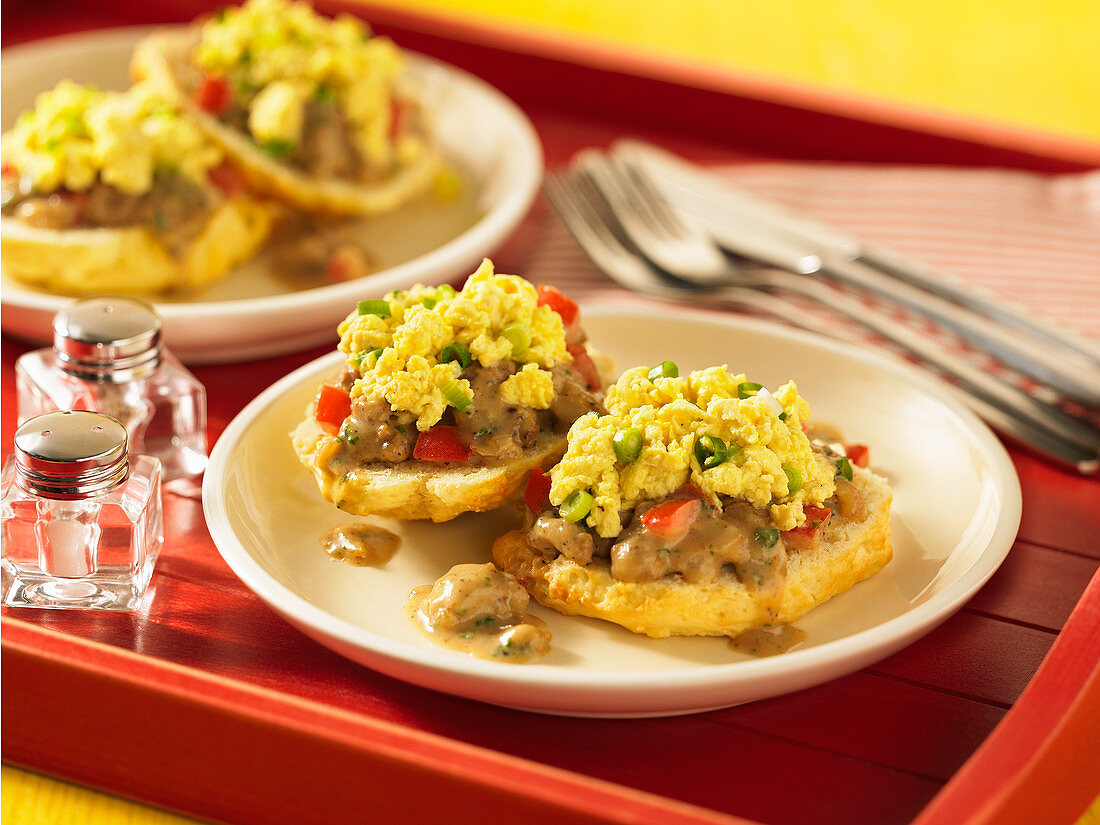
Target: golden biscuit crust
849, 553
132, 260
159, 58
416, 489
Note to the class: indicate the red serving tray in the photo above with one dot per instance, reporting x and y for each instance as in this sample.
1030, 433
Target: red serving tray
209, 704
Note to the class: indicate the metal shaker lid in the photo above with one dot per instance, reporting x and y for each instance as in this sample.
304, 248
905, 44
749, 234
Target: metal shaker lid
71, 455
108, 339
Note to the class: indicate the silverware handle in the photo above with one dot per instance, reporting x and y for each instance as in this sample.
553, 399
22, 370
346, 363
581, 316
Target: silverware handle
986, 387
924, 276
1074, 378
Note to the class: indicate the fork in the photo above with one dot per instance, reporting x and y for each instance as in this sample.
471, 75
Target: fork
588, 217
649, 219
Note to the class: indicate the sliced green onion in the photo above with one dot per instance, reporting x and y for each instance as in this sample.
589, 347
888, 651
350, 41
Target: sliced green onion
456, 352
783, 416
747, 389
844, 468
447, 290
278, 148
379, 308
794, 479
363, 356
710, 451
577, 505
520, 337
429, 302
325, 93
767, 536
666, 369
627, 444
455, 395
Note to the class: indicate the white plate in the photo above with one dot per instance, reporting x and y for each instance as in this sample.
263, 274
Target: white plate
250, 314
956, 512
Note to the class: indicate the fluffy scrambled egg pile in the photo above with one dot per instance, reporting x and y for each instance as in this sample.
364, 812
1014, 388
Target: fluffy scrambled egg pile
400, 345
671, 413
279, 55
77, 133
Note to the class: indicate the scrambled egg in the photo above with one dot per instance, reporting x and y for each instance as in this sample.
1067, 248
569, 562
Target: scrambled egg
671, 413
76, 134
398, 344
279, 54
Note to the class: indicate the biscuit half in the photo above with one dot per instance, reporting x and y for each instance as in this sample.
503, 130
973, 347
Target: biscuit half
419, 489
160, 58
131, 260
850, 551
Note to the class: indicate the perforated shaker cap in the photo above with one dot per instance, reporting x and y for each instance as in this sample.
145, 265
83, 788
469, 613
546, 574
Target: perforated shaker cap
108, 339
71, 455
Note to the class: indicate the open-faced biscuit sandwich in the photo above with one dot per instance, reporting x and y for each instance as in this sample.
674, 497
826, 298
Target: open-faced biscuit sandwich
448, 399
698, 506
315, 110
118, 192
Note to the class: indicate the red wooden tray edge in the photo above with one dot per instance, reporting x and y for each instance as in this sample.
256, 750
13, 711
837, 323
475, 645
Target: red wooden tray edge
57, 684
1042, 762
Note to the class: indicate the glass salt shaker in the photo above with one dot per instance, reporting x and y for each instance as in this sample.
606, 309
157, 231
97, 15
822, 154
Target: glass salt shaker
82, 522
107, 356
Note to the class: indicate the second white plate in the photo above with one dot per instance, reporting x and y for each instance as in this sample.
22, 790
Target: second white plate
249, 314
955, 515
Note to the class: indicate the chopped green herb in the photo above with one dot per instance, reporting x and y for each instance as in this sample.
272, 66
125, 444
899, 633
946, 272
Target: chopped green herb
484, 620
325, 93
844, 468
767, 536
379, 308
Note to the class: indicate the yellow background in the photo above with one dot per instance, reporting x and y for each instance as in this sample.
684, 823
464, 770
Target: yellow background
1032, 64
1028, 63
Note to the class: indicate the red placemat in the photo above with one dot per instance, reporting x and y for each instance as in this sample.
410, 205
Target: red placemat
210, 704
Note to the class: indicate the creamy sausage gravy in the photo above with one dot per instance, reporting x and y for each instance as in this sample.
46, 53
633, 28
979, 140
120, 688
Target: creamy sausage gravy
361, 544
477, 609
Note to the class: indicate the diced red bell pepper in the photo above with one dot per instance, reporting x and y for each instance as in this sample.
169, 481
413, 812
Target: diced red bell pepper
226, 179
671, 520
858, 454
537, 491
213, 94
583, 364
808, 534
440, 443
559, 302
333, 406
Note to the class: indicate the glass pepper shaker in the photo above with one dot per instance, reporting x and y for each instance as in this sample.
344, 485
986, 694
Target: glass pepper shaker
82, 523
107, 356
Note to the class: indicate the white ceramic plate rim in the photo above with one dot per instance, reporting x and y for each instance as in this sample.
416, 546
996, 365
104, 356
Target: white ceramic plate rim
861, 645
470, 245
